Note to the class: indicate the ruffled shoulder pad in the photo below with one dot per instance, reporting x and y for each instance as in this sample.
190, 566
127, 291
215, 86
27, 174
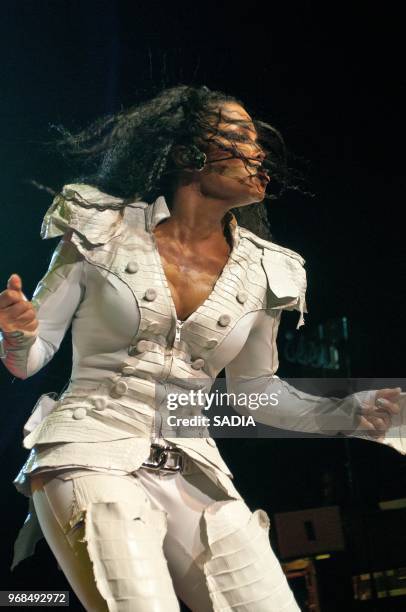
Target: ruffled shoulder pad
91, 215
271, 246
285, 274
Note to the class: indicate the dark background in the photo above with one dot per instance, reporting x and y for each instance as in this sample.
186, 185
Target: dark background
332, 81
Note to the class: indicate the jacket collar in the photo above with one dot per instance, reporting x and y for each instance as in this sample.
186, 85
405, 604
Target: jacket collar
158, 211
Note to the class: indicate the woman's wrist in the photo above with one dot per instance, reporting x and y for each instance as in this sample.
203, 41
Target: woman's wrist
14, 340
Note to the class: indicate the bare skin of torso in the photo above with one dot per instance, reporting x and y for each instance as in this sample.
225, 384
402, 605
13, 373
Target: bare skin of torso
191, 269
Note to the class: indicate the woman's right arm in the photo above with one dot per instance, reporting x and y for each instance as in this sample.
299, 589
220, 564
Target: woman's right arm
32, 331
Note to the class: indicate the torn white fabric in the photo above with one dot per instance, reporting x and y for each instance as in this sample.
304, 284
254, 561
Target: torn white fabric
243, 573
144, 539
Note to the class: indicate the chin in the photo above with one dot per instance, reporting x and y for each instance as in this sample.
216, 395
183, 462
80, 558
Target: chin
251, 201
250, 195
257, 195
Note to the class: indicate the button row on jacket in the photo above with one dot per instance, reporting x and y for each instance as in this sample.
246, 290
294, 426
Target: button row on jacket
142, 346
242, 296
153, 327
128, 370
150, 294
99, 404
79, 413
212, 343
132, 267
197, 364
120, 388
224, 320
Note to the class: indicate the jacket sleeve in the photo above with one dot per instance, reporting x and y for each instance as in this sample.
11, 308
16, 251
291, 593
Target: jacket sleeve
86, 218
55, 299
252, 373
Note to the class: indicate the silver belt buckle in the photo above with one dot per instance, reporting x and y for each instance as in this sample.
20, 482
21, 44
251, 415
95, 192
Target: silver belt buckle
160, 455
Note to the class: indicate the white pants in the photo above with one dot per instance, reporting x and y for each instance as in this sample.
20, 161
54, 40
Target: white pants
134, 543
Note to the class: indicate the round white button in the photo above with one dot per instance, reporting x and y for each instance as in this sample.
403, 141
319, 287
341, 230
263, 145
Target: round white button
197, 364
128, 370
224, 320
132, 267
79, 413
242, 296
153, 327
211, 343
150, 295
142, 346
121, 387
100, 403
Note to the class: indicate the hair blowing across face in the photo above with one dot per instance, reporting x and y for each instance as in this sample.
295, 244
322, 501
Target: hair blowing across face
128, 154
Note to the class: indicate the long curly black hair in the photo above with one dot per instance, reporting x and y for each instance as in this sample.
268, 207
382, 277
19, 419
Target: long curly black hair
128, 154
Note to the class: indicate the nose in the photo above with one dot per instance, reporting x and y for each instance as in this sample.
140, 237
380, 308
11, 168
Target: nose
258, 157
263, 174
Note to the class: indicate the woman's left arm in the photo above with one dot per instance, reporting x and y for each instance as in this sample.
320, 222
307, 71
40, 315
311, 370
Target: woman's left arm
283, 406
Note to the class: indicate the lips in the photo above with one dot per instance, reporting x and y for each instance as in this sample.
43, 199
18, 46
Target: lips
263, 179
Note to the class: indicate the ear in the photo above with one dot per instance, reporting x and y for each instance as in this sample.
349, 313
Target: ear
181, 157
190, 158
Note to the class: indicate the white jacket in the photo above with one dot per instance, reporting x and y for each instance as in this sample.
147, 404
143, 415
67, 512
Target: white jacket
106, 279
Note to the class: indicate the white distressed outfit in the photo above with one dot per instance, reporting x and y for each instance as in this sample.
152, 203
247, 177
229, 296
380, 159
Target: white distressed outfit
149, 534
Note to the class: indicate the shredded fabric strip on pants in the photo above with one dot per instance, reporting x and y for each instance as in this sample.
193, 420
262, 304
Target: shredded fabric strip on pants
138, 542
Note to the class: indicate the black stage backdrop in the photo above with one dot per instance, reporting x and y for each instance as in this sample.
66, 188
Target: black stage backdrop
331, 80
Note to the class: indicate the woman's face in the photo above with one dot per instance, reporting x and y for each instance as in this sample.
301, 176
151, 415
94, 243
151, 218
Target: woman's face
233, 179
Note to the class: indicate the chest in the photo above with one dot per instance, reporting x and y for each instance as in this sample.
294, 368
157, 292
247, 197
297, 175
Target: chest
132, 273
191, 273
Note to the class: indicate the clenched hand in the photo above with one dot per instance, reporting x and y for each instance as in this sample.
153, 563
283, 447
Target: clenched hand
16, 312
376, 414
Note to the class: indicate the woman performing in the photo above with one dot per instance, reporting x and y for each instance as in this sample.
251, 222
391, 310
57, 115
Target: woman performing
163, 289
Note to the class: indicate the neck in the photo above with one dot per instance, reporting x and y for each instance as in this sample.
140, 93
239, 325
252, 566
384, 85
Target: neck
194, 216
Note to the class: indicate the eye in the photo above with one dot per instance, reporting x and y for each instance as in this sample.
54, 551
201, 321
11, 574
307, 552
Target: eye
236, 137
